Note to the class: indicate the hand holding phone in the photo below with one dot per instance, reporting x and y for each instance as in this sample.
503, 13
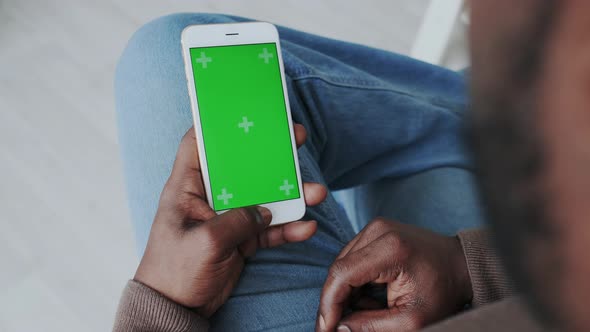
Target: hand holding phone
194, 256
242, 118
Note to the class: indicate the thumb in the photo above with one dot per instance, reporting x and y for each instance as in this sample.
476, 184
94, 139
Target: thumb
381, 320
238, 225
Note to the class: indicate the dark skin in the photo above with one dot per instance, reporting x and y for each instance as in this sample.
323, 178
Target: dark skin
194, 257
541, 78
424, 273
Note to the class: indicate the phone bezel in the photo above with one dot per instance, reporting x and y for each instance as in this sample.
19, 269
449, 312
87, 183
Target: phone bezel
239, 34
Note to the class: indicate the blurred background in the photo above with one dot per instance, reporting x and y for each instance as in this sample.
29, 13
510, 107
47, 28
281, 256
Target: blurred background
66, 242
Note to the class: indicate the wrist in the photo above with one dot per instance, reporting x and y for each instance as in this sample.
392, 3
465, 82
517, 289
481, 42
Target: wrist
461, 272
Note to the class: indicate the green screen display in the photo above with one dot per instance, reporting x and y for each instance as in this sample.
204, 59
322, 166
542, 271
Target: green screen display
245, 125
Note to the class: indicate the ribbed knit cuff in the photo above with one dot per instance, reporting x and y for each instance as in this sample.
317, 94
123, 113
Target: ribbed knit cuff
143, 309
488, 279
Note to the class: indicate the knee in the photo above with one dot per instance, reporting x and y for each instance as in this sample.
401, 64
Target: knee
167, 29
158, 41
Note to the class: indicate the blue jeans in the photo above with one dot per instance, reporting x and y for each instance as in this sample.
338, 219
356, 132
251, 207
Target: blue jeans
383, 123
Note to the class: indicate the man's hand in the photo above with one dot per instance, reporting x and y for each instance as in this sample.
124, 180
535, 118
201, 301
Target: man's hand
194, 257
425, 275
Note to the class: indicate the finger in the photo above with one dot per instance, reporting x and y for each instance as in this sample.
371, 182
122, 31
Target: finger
292, 232
300, 134
314, 193
367, 235
186, 172
350, 245
277, 235
382, 320
353, 243
248, 248
197, 208
369, 264
234, 227
187, 155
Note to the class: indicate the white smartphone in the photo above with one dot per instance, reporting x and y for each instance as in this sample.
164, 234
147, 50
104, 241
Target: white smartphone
245, 136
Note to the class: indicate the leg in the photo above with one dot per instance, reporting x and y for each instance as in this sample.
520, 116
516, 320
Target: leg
373, 114
338, 103
381, 118
154, 109
153, 113
444, 200
388, 119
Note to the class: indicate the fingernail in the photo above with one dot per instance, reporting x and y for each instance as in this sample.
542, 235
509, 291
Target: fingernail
264, 214
322, 323
343, 328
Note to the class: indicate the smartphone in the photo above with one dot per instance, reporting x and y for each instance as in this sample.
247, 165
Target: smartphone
243, 125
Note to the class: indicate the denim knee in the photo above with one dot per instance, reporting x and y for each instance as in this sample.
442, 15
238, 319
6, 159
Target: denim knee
169, 27
160, 38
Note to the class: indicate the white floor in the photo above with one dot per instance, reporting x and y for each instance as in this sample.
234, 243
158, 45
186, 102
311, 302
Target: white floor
66, 245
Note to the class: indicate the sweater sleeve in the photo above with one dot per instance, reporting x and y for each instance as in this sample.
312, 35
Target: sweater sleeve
488, 280
508, 315
143, 309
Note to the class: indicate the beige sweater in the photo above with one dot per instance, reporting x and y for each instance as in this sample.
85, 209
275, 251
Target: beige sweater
143, 309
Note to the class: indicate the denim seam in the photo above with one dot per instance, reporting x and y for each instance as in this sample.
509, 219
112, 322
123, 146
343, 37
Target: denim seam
290, 326
330, 215
357, 84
